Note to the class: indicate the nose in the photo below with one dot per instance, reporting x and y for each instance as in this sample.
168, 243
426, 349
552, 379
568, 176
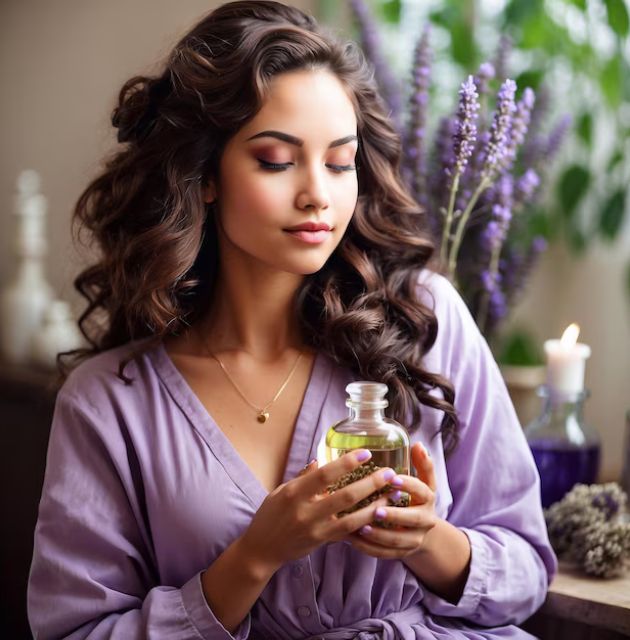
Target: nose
313, 193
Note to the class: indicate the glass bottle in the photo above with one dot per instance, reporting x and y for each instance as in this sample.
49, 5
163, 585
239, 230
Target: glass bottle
366, 427
566, 450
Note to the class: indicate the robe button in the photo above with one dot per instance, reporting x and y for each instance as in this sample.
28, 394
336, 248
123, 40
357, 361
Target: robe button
298, 571
305, 612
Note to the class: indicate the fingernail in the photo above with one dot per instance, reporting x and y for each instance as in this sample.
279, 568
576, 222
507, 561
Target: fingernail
363, 455
395, 496
397, 481
388, 474
380, 513
365, 530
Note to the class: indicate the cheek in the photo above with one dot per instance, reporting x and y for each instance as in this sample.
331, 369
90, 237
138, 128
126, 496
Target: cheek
345, 200
253, 199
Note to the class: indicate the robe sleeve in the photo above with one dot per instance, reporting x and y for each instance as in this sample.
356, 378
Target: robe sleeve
493, 481
93, 574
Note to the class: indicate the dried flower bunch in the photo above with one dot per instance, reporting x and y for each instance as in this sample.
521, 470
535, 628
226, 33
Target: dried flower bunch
362, 471
482, 176
586, 527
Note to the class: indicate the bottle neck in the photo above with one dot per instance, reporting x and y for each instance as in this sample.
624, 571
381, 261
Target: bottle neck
30, 268
362, 413
563, 404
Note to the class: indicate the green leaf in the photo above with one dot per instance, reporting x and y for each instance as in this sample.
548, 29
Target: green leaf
611, 219
580, 4
618, 17
517, 11
615, 159
577, 241
531, 78
573, 185
463, 45
535, 31
610, 81
390, 10
585, 127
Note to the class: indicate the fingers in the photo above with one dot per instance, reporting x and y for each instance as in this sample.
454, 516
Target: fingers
311, 466
359, 493
329, 474
423, 465
340, 528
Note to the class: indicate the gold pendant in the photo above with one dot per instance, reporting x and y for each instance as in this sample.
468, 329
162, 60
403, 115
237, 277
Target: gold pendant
263, 416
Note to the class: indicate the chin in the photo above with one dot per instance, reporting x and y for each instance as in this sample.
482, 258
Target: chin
306, 267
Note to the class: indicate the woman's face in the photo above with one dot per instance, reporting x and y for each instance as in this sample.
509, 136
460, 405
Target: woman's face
293, 163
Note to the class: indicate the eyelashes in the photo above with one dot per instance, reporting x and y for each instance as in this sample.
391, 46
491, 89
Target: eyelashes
273, 166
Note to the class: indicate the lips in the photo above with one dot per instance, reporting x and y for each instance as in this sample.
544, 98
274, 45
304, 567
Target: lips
310, 226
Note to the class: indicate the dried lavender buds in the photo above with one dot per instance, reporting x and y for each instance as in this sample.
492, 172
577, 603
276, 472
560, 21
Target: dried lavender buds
585, 526
357, 474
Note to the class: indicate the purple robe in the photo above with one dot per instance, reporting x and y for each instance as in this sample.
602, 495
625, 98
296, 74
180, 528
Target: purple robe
143, 491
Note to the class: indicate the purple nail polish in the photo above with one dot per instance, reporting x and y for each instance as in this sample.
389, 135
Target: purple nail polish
388, 474
363, 455
380, 513
397, 481
365, 530
395, 496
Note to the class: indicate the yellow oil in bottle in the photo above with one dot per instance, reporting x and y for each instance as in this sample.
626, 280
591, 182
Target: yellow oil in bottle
368, 428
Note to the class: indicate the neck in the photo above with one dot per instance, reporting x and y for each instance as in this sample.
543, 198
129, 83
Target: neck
253, 311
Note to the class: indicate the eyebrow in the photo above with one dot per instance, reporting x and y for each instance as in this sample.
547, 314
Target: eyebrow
285, 137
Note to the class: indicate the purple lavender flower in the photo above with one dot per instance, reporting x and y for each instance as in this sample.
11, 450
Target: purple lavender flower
539, 244
482, 78
557, 136
526, 185
499, 131
465, 128
490, 236
497, 308
416, 154
371, 44
444, 161
520, 122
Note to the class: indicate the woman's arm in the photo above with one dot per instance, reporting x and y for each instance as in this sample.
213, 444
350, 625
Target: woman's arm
93, 573
232, 584
494, 486
443, 563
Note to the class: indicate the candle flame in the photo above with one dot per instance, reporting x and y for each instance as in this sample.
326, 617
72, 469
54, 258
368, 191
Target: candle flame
570, 336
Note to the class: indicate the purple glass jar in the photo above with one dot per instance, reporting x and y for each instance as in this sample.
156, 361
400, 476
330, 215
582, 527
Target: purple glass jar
566, 450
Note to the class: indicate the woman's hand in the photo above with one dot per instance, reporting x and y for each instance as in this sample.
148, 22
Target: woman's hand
300, 515
412, 523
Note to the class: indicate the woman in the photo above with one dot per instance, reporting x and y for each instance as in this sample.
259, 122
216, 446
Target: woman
258, 252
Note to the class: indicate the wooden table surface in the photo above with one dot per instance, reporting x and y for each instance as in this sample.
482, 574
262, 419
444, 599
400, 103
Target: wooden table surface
602, 603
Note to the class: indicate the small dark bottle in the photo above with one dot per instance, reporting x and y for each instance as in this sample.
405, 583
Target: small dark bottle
566, 450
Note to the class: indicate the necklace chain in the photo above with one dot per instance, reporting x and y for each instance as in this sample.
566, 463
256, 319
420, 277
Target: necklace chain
262, 414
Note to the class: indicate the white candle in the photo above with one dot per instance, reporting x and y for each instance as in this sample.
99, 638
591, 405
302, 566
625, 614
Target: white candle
566, 359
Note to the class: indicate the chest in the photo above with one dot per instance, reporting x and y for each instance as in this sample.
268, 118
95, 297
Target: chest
264, 447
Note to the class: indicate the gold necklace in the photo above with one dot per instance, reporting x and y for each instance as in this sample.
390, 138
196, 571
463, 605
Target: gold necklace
262, 414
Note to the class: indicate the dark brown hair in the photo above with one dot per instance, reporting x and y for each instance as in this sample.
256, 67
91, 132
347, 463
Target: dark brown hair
158, 247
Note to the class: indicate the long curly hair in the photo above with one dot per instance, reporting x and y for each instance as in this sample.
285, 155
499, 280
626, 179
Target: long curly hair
157, 246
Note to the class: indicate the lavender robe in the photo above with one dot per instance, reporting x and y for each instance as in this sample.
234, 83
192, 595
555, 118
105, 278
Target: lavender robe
143, 491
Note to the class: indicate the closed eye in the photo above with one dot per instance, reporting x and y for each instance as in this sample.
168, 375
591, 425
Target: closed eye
274, 166
339, 168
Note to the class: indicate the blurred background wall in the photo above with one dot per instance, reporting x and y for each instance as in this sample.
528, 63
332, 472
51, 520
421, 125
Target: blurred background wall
61, 65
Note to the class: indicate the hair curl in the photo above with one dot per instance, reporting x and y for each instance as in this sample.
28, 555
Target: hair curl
145, 213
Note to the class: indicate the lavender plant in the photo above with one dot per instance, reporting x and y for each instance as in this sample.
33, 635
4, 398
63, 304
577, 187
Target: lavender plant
480, 178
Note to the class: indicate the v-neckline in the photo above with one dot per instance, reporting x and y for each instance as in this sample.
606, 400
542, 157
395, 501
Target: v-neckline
302, 445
